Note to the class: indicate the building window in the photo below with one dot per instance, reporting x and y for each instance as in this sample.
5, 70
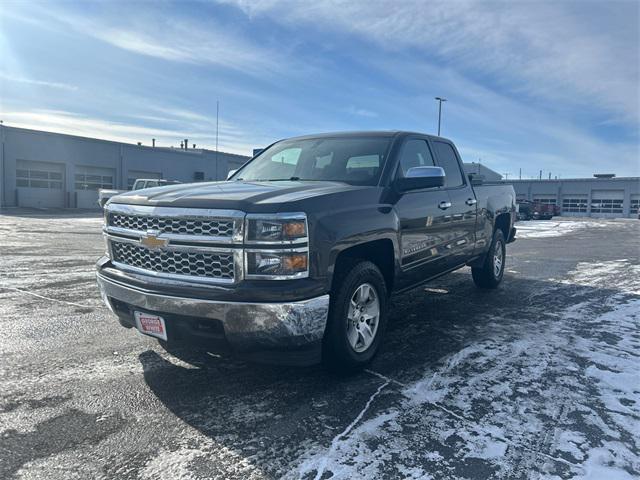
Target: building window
38, 179
574, 205
635, 205
84, 181
606, 205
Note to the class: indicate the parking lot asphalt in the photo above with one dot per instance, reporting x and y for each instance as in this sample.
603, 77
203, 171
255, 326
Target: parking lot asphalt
538, 379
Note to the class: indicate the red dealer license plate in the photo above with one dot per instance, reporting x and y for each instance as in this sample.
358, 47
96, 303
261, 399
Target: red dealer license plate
151, 325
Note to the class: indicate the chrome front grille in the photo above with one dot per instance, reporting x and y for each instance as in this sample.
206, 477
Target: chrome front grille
206, 265
182, 244
188, 226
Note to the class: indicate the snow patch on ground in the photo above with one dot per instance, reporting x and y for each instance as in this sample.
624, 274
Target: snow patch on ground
559, 399
620, 275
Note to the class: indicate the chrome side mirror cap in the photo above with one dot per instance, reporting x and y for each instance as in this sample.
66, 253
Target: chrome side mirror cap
418, 178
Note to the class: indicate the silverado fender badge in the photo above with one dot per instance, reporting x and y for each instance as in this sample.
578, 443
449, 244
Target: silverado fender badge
152, 242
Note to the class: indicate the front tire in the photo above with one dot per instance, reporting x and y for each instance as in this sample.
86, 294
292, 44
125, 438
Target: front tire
490, 274
357, 317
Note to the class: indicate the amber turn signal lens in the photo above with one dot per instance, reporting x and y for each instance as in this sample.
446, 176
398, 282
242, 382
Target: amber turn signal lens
295, 263
294, 229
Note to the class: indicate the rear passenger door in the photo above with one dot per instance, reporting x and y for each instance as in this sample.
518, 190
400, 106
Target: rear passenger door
423, 227
461, 215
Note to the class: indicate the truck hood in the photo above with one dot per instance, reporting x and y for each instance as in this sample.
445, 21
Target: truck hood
237, 195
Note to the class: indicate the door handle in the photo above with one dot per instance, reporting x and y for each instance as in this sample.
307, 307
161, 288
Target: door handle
471, 201
444, 205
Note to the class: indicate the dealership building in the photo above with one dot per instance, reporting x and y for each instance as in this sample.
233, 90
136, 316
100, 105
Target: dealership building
604, 195
51, 170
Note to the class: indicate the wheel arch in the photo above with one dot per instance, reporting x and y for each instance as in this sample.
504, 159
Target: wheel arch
380, 252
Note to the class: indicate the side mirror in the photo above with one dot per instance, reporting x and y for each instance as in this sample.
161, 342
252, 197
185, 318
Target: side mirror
231, 172
417, 178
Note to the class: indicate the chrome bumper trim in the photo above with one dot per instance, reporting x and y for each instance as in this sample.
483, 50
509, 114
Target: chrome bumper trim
246, 325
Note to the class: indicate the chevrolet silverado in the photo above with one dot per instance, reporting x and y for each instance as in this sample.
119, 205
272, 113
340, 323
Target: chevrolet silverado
293, 259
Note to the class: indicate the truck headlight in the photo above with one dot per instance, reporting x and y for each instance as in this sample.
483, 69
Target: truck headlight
283, 228
278, 231
277, 265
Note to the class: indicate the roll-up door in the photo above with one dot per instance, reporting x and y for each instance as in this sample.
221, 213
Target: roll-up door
575, 203
40, 184
545, 199
88, 180
634, 207
607, 202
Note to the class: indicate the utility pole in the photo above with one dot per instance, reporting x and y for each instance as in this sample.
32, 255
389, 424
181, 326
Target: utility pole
440, 100
506, 175
520, 174
217, 122
540, 178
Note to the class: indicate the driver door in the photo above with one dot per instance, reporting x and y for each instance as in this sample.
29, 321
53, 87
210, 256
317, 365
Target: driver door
424, 222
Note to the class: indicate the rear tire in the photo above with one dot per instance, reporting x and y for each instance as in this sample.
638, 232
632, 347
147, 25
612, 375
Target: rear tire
490, 274
357, 317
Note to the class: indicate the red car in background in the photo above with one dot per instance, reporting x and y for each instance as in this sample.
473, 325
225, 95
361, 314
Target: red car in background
528, 210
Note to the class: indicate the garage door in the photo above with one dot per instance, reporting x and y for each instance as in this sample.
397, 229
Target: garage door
634, 207
575, 204
40, 184
606, 203
545, 199
87, 182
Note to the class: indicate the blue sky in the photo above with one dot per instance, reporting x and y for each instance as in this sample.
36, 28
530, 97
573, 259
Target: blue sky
550, 86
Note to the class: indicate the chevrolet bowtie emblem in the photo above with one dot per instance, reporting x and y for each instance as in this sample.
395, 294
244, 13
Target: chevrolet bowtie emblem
152, 242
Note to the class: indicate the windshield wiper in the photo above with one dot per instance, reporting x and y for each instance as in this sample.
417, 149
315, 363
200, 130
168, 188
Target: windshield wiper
278, 179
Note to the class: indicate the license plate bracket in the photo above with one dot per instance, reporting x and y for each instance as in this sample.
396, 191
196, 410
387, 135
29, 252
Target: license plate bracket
151, 324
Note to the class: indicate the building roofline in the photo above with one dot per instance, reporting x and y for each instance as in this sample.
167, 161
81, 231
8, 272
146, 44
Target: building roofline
578, 179
115, 142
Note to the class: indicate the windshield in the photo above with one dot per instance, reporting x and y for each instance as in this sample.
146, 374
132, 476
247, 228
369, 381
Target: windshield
357, 161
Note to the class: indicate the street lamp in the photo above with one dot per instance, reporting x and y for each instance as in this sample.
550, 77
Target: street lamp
440, 100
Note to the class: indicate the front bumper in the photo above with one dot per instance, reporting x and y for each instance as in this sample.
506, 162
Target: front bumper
289, 333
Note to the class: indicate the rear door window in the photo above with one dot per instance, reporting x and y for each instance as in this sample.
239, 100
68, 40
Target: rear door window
449, 162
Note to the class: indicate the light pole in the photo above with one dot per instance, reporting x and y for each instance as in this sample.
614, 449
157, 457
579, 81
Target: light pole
440, 100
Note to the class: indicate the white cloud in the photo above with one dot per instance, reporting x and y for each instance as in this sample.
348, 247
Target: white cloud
39, 83
158, 34
175, 129
188, 43
565, 51
361, 112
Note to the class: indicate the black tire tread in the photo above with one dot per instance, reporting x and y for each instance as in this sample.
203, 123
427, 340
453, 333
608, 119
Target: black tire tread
337, 356
483, 276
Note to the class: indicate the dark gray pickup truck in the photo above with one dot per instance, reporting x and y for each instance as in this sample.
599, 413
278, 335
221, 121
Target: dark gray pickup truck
293, 259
